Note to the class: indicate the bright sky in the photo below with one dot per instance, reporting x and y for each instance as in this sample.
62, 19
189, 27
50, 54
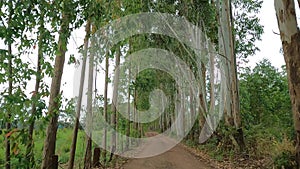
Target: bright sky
271, 43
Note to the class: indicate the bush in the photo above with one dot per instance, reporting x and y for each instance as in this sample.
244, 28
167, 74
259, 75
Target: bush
285, 160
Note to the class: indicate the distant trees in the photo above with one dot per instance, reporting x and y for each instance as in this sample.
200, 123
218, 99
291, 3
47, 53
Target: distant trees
265, 99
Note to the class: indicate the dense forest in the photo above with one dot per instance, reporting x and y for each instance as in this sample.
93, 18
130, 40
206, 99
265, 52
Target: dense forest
147, 76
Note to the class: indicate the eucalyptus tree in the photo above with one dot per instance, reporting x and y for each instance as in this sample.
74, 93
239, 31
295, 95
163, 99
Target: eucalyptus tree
290, 37
226, 48
115, 101
237, 20
78, 105
105, 112
36, 94
89, 111
66, 14
116, 13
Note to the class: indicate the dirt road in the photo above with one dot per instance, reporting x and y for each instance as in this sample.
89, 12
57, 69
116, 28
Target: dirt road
175, 158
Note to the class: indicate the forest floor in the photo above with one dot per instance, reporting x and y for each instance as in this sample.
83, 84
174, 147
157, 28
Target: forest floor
184, 157
176, 158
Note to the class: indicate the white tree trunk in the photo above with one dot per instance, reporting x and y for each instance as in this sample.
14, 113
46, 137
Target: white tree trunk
290, 37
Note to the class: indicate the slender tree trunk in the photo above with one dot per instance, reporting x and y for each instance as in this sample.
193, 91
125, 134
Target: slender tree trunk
78, 106
97, 149
161, 123
96, 157
89, 115
202, 95
135, 114
10, 86
183, 117
239, 136
290, 37
192, 114
53, 110
35, 95
8, 123
105, 107
115, 102
128, 111
227, 49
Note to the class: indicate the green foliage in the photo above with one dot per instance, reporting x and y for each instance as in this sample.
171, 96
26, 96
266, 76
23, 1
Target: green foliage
247, 28
266, 112
266, 117
265, 99
285, 160
64, 138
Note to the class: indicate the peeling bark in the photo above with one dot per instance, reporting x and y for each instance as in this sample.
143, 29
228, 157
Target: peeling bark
89, 115
226, 44
128, 109
105, 108
290, 37
114, 103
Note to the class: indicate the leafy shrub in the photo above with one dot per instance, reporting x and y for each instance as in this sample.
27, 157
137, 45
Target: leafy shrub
285, 160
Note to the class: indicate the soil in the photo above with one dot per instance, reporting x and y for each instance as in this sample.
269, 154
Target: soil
177, 157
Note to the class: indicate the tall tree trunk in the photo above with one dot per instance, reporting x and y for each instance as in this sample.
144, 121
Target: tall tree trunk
128, 110
97, 150
290, 37
183, 124
105, 107
239, 135
35, 95
192, 115
114, 102
202, 95
8, 123
89, 115
53, 110
226, 40
10, 86
135, 114
128, 99
78, 106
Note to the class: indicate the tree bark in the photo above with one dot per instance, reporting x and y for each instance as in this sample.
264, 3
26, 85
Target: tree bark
78, 106
192, 115
227, 49
8, 123
89, 115
239, 135
115, 102
128, 110
53, 110
290, 37
10, 86
202, 109
105, 107
96, 157
35, 95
